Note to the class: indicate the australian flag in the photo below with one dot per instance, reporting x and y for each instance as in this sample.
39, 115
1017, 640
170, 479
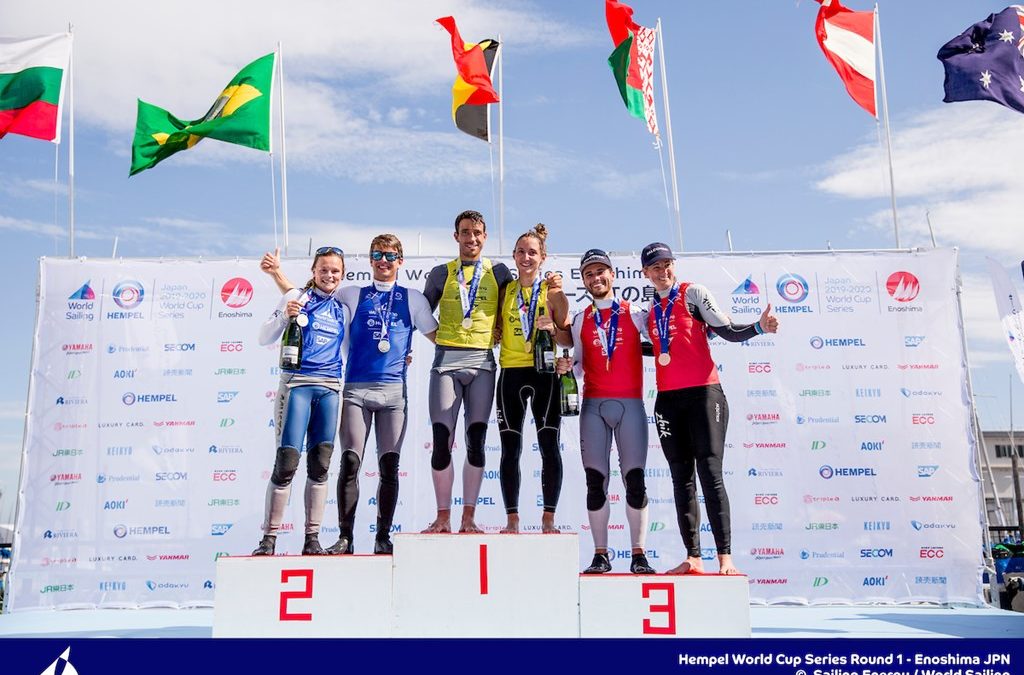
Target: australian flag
986, 61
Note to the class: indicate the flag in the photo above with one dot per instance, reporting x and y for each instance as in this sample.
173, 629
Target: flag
848, 40
632, 62
985, 62
1010, 312
472, 90
241, 115
32, 85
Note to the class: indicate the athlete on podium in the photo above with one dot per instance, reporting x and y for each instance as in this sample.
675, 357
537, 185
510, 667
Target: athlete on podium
691, 412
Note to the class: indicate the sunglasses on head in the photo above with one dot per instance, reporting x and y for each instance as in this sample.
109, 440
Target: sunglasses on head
390, 256
324, 250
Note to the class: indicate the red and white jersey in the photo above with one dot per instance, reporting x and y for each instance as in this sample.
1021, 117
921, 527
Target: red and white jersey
623, 375
690, 363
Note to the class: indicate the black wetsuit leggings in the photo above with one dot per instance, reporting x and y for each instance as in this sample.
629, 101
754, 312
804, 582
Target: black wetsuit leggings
691, 427
515, 386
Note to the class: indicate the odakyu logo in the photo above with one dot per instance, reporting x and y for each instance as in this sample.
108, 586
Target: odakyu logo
919, 526
236, 292
128, 294
792, 288
903, 286
164, 585
747, 287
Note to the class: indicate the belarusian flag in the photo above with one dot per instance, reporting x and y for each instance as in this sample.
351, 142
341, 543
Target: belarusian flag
632, 62
32, 85
240, 115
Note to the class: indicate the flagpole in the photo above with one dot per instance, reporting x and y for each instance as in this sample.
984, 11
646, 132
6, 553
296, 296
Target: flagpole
284, 155
501, 145
668, 132
273, 195
888, 135
71, 146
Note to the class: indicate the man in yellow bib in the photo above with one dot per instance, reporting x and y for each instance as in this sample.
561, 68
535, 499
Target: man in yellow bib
467, 294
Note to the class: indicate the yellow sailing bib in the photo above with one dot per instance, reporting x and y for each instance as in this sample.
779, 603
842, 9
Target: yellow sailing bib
480, 335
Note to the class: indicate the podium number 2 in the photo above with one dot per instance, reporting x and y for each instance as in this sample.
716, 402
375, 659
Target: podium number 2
668, 608
305, 594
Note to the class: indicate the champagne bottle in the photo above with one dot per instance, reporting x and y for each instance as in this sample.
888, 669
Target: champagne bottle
291, 345
569, 391
543, 349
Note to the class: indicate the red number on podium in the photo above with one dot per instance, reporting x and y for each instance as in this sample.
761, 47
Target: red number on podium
305, 594
668, 608
483, 569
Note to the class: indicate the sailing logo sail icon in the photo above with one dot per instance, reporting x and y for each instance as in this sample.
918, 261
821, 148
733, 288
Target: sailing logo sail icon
61, 665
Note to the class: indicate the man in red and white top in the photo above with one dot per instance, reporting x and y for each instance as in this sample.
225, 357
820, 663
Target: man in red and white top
606, 341
691, 412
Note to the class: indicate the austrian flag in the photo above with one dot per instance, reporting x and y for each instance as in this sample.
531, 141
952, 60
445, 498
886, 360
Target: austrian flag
32, 85
848, 40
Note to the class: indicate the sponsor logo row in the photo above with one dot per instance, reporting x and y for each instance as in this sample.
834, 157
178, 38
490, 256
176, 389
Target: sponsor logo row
132, 301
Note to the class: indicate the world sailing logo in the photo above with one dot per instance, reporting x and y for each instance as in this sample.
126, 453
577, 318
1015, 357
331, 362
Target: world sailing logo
64, 658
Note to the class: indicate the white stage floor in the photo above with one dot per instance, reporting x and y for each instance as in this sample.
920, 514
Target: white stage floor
891, 621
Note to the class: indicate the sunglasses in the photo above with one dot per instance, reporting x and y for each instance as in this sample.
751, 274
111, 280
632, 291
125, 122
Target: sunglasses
325, 250
390, 256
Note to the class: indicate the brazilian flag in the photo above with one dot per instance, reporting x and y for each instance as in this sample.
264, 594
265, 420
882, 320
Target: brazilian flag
241, 115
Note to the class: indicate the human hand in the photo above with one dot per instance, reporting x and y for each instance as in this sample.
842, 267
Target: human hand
271, 262
768, 322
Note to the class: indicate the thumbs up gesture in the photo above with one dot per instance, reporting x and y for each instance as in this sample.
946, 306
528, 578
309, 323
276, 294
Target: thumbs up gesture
768, 322
271, 262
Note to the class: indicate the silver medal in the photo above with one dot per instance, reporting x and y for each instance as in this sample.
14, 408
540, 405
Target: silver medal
302, 320
384, 346
664, 359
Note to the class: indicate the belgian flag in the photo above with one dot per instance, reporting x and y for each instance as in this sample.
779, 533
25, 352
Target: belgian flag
472, 90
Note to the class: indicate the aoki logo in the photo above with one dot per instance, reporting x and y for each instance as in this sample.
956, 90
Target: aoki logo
128, 294
792, 288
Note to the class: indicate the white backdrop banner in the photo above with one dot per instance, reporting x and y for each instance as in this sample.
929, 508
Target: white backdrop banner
849, 459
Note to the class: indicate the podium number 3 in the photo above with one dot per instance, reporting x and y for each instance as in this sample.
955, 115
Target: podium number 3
668, 608
305, 594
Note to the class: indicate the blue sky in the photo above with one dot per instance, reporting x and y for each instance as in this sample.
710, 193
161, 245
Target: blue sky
767, 142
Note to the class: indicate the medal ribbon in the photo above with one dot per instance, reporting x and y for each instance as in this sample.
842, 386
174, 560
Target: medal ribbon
468, 298
384, 312
528, 313
662, 316
607, 335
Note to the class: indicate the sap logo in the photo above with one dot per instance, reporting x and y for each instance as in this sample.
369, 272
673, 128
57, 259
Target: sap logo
762, 499
113, 586
819, 582
220, 529
874, 446
394, 528
926, 470
875, 581
877, 525
876, 553
180, 347
932, 552
708, 553
869, 419
922, 418
232, 346
171, 475
115, 505
226, 396
124, 374
224, 476
757, 367
913, 340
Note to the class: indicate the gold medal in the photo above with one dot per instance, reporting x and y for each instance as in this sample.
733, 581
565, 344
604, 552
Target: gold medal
383, 346
529, 346
467, 323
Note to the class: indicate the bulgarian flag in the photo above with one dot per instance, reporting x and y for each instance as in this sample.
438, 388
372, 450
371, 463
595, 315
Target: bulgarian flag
240, 115
472, 90
632, 62
848, 40
32, 85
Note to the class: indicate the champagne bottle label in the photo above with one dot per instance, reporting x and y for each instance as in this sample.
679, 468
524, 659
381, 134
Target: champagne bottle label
290, 354
573, 400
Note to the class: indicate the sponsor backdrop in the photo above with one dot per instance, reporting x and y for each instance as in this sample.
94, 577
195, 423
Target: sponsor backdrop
849, 458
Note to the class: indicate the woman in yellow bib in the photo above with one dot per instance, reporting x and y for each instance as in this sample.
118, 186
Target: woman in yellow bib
528, 307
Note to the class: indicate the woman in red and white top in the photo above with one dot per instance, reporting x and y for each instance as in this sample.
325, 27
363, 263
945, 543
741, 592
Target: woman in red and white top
691, 412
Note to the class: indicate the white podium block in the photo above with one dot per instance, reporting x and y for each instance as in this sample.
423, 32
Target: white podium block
463, 585
628, 605
303, 596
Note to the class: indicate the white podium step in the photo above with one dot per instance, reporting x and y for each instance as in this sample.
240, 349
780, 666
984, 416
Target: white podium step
303, 596
627, 605
486, 585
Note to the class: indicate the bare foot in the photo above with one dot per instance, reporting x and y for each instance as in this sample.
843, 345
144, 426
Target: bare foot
469, 522
441, 525
688, 566
547, 524
513, 524
725, 565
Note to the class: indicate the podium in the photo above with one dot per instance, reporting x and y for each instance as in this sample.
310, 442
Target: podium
491, 585
662, 605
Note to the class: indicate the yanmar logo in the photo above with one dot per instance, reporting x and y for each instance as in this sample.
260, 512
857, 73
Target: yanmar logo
762, 445
931, 498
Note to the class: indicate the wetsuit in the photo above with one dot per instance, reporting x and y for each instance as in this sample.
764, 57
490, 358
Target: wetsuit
306, 406
691, 413
520, 384
612, 406
463, 368
375, 391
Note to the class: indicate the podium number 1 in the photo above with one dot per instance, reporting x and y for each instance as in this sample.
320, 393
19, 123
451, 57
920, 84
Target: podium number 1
305, 594
668, 608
